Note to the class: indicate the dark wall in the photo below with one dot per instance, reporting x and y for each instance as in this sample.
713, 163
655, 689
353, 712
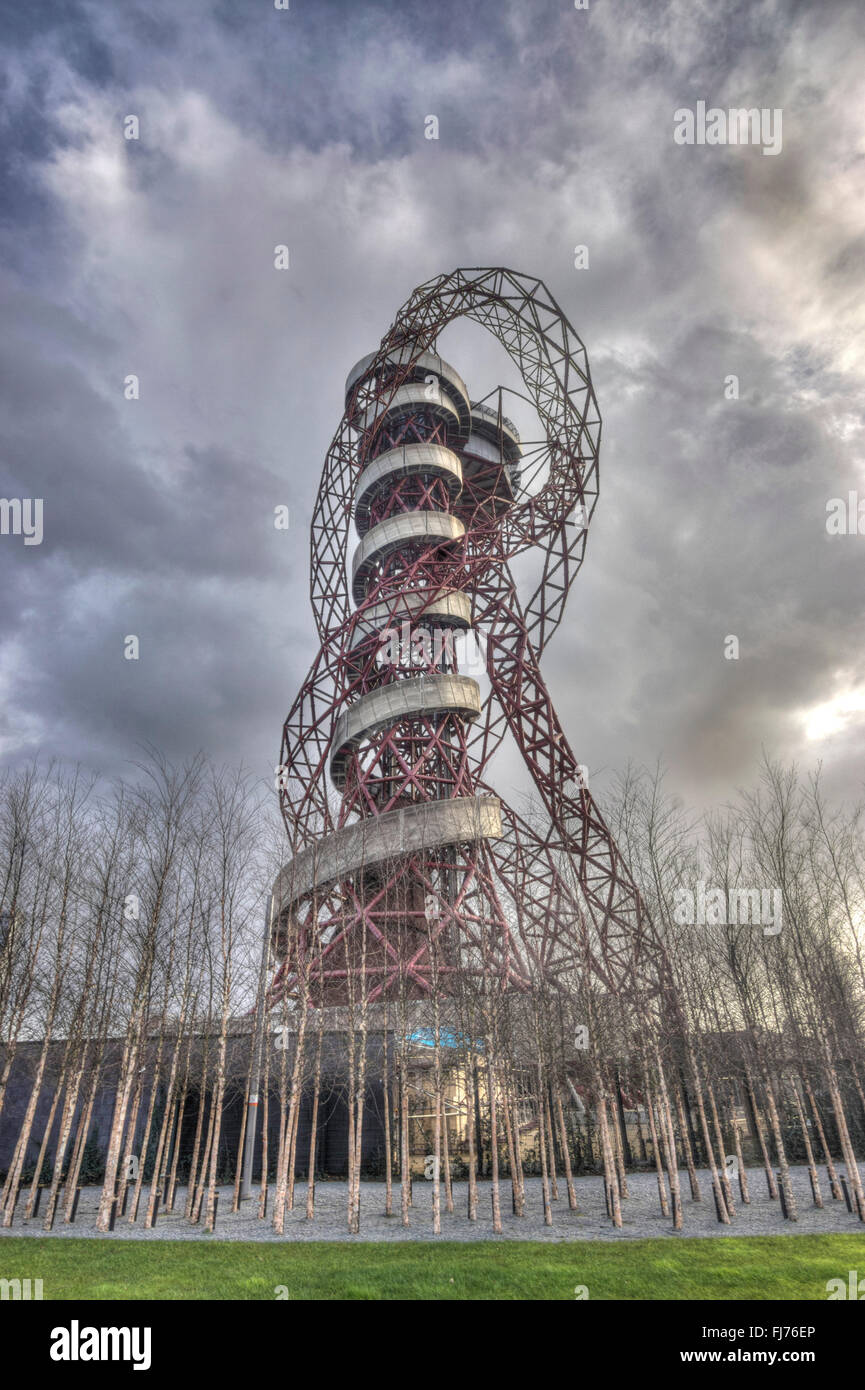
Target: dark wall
331, 1156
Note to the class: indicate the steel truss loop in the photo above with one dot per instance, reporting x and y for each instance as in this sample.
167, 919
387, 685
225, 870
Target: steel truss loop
402, 875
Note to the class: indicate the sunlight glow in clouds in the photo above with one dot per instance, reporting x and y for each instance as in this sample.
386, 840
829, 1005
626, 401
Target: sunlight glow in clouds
835, 715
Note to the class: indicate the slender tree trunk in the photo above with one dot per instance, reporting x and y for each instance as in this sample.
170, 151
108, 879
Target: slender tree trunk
446, 1159
175, 1156
437, 1120
388, 1151
668, 1142
66, 1121
241, 1142
129, 1079
404, 1159
542, 1151
685, 1141
806, 1140
265, 1130
563, 1139
853, 1177
78, 1151
548, 1125
509, 1137
758, 1125
722, 1212
827, 1155
494, 1148
145, 1138
784, 1167
740, 1162
656, 1150
611, 1181
13, 1179
719, 1139
43, 1148
313, 1128
470, 1138
617, 1149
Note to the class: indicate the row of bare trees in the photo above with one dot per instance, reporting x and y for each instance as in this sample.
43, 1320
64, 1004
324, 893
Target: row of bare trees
129, 919
131, 931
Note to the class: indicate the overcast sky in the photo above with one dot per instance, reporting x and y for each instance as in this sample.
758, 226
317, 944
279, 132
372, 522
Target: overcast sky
306, 127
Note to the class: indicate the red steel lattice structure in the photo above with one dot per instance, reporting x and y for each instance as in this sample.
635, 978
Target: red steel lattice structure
405, 863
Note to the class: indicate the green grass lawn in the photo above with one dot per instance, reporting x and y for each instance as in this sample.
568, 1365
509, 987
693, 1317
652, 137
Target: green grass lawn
761, 1267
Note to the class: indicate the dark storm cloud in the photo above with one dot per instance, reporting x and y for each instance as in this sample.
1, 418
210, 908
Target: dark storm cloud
108, 506
259, 127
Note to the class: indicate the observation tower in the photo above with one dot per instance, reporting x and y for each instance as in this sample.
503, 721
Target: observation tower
409, 875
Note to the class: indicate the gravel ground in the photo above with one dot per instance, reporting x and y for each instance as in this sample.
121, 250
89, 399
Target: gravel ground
641, 1215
